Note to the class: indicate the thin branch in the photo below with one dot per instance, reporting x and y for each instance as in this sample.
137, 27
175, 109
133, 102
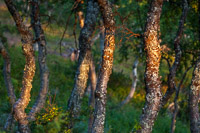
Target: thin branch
176, 100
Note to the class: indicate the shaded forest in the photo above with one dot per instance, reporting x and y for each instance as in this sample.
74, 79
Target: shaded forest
113, 66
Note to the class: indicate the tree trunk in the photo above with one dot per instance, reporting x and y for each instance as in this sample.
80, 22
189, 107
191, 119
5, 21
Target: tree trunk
178, 54
194, 94
29, 70
194, 98
93, 81
74, 103
173, 124
8, 83
106, 67
44, 72
152, 79
134, 83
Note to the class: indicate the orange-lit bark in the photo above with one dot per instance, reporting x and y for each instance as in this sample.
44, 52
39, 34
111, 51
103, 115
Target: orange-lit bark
84, 60
44, 72
29, 70
152, 79
81, 18
106, 67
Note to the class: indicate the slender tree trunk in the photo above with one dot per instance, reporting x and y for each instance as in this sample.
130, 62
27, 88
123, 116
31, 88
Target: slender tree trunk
194, 98
152, 79
8, 83
178, 54
173, 124
134, 83
29, 70
74, 103
93, 81
106, 67
44, 72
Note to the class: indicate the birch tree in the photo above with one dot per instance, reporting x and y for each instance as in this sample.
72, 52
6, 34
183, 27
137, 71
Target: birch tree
74, 103
152, 79
44, 72
29, 70
106, 67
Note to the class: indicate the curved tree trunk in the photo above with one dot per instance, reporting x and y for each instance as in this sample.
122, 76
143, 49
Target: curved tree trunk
106, 67
44, 72
178, 54
152, 79
134, 83
29, 70
8, 83
74, 103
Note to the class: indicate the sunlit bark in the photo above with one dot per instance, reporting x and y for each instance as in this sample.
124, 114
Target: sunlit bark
152, 79
29, 70
81, 18
74, 103
44, 72
106, 67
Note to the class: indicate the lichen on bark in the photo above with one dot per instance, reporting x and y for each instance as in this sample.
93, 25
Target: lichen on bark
84, 61
106, 67
44, 71
152, 79
29, 70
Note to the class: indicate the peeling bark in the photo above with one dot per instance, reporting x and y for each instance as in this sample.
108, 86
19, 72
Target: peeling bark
8, 83
194, 98
134, 83
152, 79
178, 54
29, 70
106, 67
74, 103
44, 72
